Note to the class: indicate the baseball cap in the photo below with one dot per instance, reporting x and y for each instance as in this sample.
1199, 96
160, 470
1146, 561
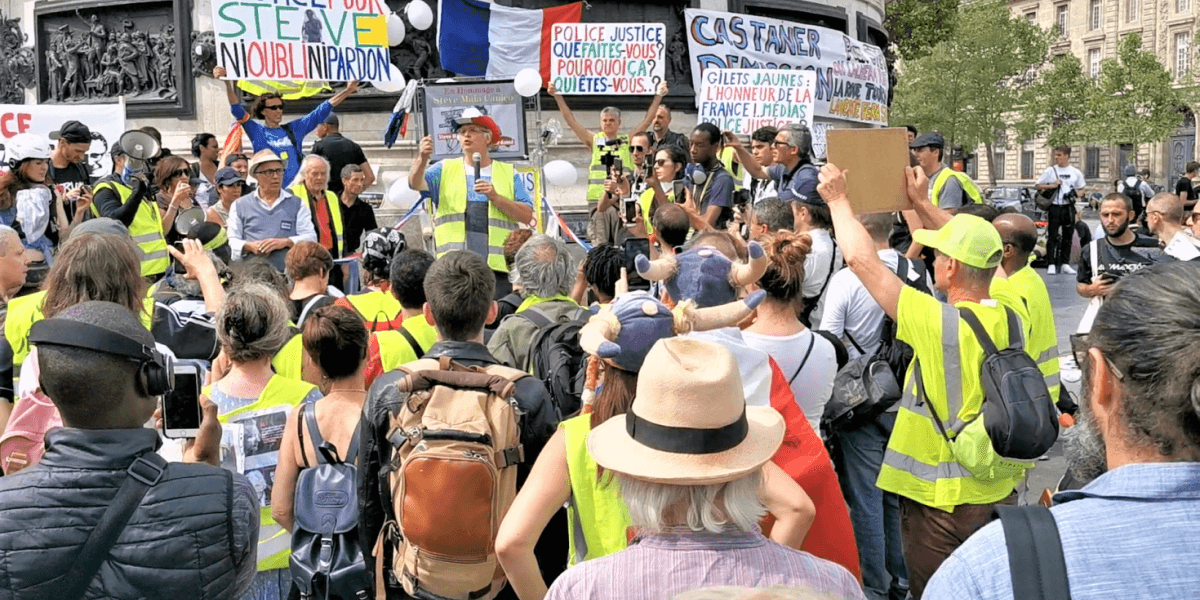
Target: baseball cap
967, 239
332, 120
228, 176
932, 138
472, 116
73, 132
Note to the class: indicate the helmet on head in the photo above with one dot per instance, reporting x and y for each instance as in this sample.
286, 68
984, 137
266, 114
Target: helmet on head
26, 146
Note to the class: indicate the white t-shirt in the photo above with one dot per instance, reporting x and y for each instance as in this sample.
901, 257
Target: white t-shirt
850, 308
816, 269
812, 383
1070, 177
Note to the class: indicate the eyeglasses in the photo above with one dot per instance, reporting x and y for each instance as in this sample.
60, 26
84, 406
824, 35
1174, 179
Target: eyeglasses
1079, 351
637, 148
661, 161
779, 143
472, 130
271, 172
273, 107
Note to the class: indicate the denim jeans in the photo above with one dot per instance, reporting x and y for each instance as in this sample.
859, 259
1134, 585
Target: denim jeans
874, 513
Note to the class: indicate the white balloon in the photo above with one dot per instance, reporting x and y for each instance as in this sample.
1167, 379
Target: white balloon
560, 173
419, 14
399, 195
395, 29
395, 84
528, 82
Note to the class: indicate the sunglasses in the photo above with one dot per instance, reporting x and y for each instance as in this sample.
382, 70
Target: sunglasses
661, 161
271, 172
637, 148
180, 173
273, 107
1079, 351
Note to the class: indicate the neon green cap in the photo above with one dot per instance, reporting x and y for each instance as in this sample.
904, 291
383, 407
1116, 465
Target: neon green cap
967, 239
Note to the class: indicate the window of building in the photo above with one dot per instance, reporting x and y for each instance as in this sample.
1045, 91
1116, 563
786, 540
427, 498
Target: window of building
1131, 10
998, 163
1031, 17
1094, 15
1181, 5
1183, 51
1091, 163
1062, 20
1094, 62
1027, 163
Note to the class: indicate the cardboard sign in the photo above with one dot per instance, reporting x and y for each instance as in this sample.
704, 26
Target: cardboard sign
743, 100
607, 58
876, 159
301, 40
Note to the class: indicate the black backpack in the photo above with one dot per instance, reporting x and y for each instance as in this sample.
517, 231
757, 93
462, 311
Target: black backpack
556, 358
1018, 413
1135, 194
327, 560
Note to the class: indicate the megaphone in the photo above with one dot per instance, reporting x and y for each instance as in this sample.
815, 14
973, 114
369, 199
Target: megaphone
140, 147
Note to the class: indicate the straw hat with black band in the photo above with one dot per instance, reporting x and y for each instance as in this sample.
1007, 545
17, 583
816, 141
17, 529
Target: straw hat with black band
689, 423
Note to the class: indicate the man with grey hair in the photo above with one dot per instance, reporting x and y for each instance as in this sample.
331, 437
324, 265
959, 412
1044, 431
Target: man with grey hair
793, 173
312, 187
1137, 448
691, 455
768, 216
357, 216
1164, 219
547, 275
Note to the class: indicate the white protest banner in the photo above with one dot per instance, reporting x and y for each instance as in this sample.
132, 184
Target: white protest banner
851, 76
297, 40
607, 58
742, 100
106, 122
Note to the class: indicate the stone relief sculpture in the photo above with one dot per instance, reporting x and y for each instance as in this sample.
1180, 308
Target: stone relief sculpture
109, 57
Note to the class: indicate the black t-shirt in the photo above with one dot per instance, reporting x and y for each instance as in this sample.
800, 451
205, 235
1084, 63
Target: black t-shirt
65, 180
1119, 260
340, 152
1184, 185
298, 306
356, 219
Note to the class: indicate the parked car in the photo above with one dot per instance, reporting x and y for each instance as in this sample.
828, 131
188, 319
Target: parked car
1009, 196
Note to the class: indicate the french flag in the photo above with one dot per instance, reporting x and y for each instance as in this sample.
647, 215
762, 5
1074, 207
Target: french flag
482, 39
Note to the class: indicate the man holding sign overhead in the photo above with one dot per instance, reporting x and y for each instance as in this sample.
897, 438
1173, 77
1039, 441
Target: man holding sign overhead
477, 201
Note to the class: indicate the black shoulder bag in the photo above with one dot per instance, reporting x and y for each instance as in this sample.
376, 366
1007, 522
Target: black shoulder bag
1035, 556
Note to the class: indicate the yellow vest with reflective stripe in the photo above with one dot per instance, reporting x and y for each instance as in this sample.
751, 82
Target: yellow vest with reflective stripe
288, 360
968, 186
596, 513
146, 230
450, 218
1042, 342
728, 156
919, 463
394, 349
647, 201
277, 400
375, 306
597, 173
335, 212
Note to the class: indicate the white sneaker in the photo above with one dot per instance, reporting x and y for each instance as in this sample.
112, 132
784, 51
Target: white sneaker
1068, 270
1050, 270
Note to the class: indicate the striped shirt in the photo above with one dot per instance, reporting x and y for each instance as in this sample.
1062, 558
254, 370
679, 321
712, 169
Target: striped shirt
661, 566
1134, 532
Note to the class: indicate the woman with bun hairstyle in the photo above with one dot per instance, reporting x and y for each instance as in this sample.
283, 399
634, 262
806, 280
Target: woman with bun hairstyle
617, 340
808, 360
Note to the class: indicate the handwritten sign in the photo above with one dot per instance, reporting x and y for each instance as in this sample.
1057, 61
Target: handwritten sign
851, 76
319, 40
607, 58
106, 121
742, 100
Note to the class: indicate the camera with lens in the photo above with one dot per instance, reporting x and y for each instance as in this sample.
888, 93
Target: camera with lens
608, 152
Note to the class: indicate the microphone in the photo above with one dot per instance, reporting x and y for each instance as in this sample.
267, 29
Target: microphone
476, 158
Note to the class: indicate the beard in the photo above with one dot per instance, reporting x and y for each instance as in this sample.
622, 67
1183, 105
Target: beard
1121, 229
1084, 447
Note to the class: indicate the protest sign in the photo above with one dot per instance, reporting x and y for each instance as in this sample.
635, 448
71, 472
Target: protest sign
742, 100
445, 102
298, 40
607, 58
851, 76
106, 121
531, 176
875, 159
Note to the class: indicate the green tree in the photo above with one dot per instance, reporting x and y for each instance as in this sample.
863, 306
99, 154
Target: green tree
1134, 101
1058, 103
916, 26
969, 83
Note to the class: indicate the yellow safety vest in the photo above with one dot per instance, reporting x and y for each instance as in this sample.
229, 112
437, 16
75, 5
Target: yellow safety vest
270, 411
450, 218
919, 463
394, 349
375, 306
290, 358
146, 230
968, 186
647, 201
335, 212
597, 173
728, 156
1042, 340
595, 510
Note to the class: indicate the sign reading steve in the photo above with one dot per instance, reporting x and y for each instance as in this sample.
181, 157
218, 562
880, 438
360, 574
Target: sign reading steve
742, 100
322, 40
851, 77
607, 58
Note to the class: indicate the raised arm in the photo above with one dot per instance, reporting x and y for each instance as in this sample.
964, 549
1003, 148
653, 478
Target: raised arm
653, 110
345, 93
416, 174
917, 188
748, 161
230, 89
581, 132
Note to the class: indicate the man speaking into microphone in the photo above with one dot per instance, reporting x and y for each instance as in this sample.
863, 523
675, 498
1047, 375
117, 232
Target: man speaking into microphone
477, 201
